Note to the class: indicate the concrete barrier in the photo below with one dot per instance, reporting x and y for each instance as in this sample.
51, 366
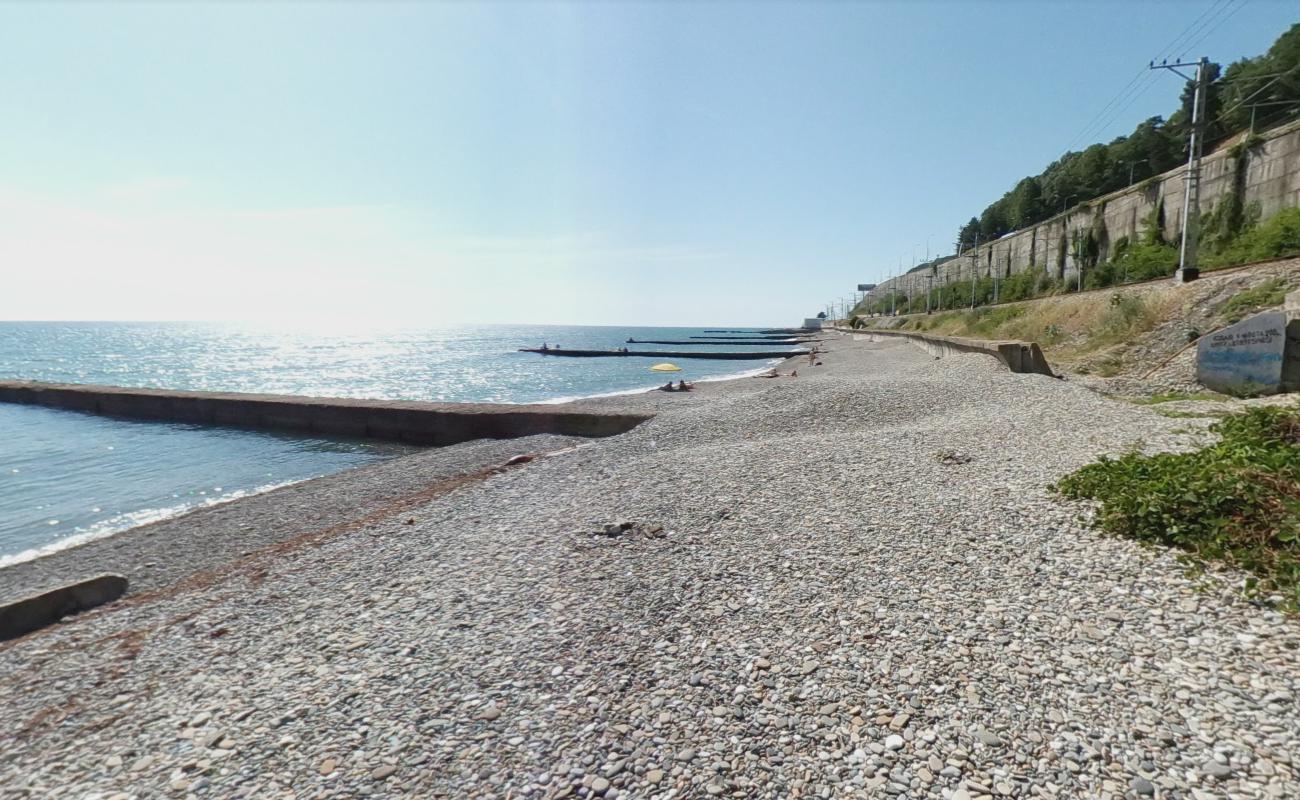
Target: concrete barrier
26, 615
432, 424
1023, 357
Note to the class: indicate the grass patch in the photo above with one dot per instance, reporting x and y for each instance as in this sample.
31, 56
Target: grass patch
1108, 367
1268, 294
1174, 397
1236, 501
987, 321
1174, 413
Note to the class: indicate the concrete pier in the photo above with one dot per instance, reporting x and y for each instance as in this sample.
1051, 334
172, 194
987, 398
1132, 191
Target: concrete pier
432, 424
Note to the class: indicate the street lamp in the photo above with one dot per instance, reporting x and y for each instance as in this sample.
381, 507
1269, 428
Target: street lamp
1131, 165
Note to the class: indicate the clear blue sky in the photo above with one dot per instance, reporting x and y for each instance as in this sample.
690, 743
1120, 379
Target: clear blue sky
674, 163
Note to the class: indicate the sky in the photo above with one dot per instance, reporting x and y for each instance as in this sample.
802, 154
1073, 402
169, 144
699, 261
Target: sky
595, 163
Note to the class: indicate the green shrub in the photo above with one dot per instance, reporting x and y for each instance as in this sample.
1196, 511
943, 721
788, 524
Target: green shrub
1276, 238
1236, 501
1143, 261
1101, 276
1019, 286
1128, 314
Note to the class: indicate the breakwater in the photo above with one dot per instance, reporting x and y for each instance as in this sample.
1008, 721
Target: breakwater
716, 356
430, 424
698, 343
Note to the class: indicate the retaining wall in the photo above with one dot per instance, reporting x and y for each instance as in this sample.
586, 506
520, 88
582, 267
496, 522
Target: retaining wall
1022, 357
1270, 177
434, 424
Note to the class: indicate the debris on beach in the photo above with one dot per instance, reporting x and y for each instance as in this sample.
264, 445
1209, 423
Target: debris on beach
952, 457
623, 527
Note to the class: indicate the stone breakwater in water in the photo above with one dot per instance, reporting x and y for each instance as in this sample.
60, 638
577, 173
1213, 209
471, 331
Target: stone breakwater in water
849, 584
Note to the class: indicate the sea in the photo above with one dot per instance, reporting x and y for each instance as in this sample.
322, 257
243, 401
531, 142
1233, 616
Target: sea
67, 477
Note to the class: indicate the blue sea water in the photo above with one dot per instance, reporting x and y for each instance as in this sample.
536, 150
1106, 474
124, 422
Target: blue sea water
67, 477
460, 364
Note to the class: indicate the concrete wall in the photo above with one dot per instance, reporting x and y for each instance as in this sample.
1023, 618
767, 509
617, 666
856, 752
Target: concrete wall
1021, 357
1272, 179
436, 424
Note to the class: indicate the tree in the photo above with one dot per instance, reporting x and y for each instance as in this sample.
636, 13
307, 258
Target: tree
1026, 204
968, 233
1156, 145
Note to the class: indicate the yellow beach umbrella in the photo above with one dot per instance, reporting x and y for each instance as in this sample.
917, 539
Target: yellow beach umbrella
665, 367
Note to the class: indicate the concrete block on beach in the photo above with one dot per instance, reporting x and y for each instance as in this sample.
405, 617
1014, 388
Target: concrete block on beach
34, 612
1259, 355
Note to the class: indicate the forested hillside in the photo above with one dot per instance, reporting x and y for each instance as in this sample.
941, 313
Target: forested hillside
1267, 86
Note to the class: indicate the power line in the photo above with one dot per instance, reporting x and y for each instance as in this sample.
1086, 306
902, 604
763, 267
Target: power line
1133, 96
1279, 76
1093, 125
1179, 45
1192, 47
1136, 87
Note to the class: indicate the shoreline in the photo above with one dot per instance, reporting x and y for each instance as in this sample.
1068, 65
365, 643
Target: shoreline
774, 588
219, 532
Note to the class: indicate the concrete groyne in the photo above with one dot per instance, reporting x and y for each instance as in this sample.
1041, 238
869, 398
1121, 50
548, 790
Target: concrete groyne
714, 356
431, 424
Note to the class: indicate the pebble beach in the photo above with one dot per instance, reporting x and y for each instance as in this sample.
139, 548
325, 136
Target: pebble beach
854, 583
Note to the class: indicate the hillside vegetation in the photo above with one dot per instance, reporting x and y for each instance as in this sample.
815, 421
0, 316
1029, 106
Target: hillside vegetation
1156, 144
1228, 240
1128, 330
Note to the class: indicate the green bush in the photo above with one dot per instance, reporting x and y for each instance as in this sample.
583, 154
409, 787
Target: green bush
1101, 276
1143, 261
1019, 286
1236, 501
1127, 315
1276, 238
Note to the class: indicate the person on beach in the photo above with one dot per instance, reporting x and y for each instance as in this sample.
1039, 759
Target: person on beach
667, 387
682, 386
544, 347
794, 373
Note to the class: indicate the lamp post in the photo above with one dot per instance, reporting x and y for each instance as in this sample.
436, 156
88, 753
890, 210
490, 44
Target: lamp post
1133, 164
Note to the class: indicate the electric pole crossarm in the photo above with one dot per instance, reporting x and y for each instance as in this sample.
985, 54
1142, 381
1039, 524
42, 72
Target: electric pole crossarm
1191, 215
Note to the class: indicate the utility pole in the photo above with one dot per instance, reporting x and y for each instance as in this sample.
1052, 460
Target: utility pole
974, 261
1187, 270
